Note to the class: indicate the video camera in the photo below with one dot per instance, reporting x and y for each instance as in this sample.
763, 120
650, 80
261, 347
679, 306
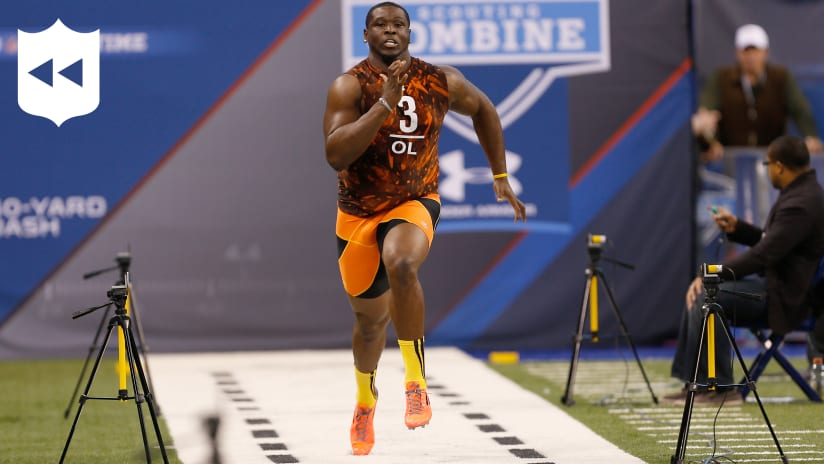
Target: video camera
596, 241
123, 260
711, 273
595, 244
711, 277
118, 291
118, 295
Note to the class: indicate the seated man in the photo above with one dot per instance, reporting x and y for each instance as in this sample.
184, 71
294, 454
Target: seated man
786, 252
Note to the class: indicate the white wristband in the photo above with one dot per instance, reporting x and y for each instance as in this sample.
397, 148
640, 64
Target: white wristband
385, 104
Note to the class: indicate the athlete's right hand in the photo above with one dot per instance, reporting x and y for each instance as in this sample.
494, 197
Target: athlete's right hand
503, 191
394, 81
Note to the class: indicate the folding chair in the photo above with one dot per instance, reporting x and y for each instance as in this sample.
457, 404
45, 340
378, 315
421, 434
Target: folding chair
771, 349
771, 346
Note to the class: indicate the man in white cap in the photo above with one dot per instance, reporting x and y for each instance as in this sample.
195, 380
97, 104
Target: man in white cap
749, 104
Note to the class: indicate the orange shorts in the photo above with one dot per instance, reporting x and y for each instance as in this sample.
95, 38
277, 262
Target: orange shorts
360, 241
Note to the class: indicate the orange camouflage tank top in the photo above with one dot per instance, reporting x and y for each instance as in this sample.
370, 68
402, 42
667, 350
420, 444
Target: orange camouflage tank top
401, 163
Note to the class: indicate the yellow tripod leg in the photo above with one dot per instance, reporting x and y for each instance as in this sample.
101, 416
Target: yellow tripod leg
711, 350
122, 368
593, 307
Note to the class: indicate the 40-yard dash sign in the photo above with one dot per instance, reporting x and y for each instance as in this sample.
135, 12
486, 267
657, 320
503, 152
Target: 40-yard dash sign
42, 217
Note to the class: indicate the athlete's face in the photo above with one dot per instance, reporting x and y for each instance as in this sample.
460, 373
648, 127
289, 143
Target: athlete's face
387, 32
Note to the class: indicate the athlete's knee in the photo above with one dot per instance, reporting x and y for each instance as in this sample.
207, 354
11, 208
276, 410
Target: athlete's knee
401, 262
401, 268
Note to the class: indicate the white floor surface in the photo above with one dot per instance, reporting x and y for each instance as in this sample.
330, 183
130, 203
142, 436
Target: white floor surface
296, 407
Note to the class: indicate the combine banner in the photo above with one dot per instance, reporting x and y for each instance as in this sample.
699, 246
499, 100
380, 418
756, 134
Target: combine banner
514, 51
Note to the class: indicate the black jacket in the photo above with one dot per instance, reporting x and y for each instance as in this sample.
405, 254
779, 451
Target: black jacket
787, 251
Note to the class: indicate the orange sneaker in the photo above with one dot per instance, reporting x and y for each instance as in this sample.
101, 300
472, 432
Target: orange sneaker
418, 411
362, 433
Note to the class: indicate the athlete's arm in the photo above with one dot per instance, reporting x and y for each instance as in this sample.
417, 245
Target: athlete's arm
467, 99
347, 132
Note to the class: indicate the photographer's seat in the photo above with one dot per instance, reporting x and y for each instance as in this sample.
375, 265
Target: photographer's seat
771, 349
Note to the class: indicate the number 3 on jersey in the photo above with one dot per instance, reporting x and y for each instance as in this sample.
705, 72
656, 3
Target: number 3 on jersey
408, 124
410, 119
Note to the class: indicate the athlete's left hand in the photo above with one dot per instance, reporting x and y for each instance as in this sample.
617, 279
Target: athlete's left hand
503, 191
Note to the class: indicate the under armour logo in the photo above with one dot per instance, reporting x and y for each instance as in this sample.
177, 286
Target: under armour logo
58, 72
456, 175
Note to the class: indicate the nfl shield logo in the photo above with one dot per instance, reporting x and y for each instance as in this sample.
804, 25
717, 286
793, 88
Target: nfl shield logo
58, 72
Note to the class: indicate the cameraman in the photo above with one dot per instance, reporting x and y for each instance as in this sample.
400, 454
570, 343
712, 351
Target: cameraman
786, 253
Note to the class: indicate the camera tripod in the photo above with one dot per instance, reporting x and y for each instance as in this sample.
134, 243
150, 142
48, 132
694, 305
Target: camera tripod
590, 300
713, 313
123, 261
128, 356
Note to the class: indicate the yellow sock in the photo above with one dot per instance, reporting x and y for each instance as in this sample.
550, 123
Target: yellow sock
366, 388
413, 360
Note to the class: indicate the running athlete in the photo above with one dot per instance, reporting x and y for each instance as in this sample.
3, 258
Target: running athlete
382, 122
